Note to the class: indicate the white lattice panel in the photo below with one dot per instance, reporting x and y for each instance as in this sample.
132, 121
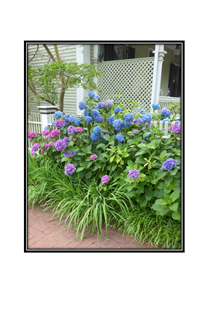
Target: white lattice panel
131, 77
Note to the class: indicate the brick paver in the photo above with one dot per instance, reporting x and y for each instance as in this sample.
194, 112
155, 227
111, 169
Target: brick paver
44, 231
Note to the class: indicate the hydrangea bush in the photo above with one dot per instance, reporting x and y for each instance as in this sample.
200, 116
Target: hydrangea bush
109, 141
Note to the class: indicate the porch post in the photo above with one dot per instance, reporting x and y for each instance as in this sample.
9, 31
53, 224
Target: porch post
82, 56
45, 112
161, 54
95, 62
154, 73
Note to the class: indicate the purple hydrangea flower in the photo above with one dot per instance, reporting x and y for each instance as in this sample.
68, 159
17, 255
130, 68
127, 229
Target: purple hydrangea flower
35, 147
101, 105
71, 130
105, 179
164, 111
138, 121
175, 128
31, 134
69, 169
59, 123
108, 104
69, 154
66, 139
135, 131
169, 164
134, 173
60, 145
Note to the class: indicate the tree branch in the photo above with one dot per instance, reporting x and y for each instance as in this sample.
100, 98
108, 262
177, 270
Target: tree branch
34, 54
50, 54
57, 52
42, 98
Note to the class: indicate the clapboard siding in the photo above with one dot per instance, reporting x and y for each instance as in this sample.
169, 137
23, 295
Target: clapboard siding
67, 54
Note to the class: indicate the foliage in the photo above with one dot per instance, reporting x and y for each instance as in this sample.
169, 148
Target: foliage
121, 199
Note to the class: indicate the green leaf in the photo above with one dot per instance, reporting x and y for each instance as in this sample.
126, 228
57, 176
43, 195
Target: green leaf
167, 199
168, 179
80, 169
149, 193
175, 195
163, 211
64, 159
130, 163
140, 189
160, 202
101, 145
161, 175
174, 206
176, 215
142, 201
140, 152
174, 171
163, 154
75, 149
88, 175
112, 158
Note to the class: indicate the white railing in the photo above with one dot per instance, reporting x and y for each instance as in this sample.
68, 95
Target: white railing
165, 102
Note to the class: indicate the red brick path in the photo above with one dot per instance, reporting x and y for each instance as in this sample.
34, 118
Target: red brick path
45, 232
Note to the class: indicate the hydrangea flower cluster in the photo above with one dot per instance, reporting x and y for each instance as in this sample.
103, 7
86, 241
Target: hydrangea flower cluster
91, 94
57, 114
77, 121
72, 119
45, 132
166, 120
96, 115
31, 134
97, 98
66, 139
35, 147
138, 121
71, 130
105, 179
79, 129
69, 169
66, 118
101, 105
146, 117
164, 111
88, 119
128, 117
142, 111
55, 133
51, 143
94, 137
134, 173
59, 123
82, 105
155, 106
118, 109
175, 128
108, 104
169, 164
60, 145
93, 156
111, 119
135, 131
97, 130
87, 113
120, 137
69, 154
118, 124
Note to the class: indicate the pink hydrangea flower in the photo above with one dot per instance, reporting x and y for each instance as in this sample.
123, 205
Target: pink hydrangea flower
34, 154
119, 133
93, 156
55, 133
42, 150
79, 129
59, 123
51, 143
105, 179
31, 134
45, 132
175, 128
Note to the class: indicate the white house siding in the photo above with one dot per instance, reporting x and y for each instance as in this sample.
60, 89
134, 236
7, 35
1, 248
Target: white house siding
67, 54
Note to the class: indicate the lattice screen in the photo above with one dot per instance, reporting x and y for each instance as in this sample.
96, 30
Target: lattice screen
131, 77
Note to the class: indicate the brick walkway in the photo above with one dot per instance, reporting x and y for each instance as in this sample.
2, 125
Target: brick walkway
45, 232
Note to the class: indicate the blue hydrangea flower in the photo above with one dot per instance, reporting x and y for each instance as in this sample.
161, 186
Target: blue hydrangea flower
177, 122
77, 121
87, 113
53, 123
95, 112
118, 124
101, 105
169, 164
82, 105
98, 118
168, 114
47, 128
166, 120
128, 117
155, 106
142, 111
127, 123
66, 118
72, 119
120, 137
97, 130
118, 109
91, 94
94, 137
111, 119
146, 117
97, 98
88, 119
164, 111
57, 114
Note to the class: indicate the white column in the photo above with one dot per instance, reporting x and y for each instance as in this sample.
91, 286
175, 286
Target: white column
161, 55
95, 63
82, 56
45, 112
157, 72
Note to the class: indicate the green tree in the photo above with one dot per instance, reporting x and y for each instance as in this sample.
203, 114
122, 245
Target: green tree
50, 82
